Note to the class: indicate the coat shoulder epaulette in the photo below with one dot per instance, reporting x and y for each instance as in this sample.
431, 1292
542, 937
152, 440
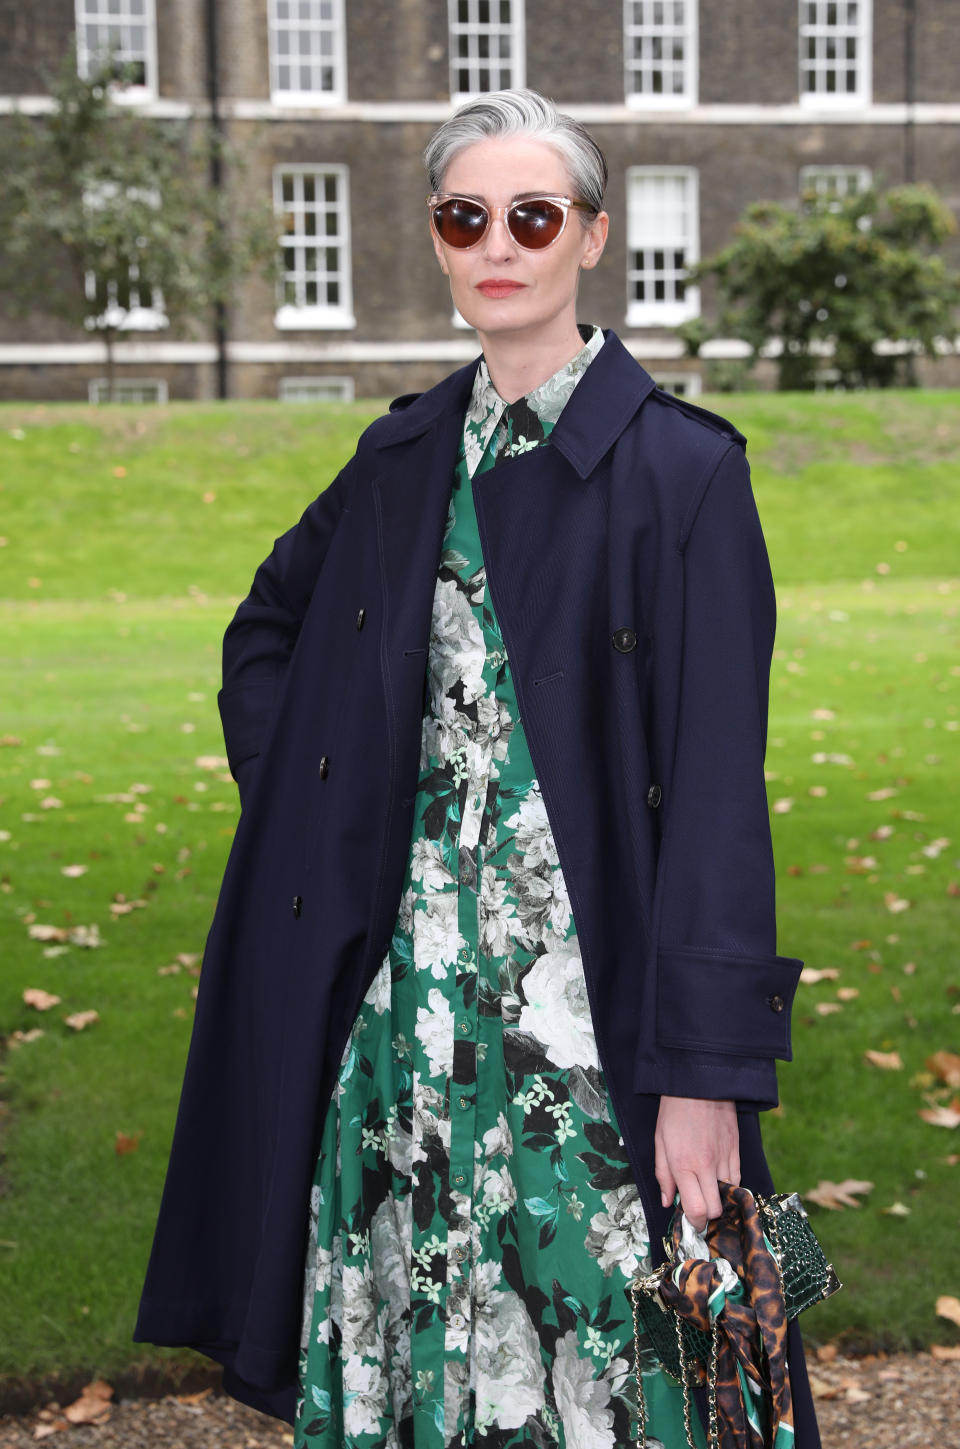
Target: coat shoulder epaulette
404, 401
707, 419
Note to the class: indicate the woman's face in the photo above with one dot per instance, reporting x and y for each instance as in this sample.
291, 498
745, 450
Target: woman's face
537, 289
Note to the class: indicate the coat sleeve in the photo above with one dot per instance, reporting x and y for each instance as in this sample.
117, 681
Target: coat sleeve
723, 995
260, 638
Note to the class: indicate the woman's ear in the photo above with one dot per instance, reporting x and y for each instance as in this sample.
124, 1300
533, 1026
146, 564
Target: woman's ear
596, 241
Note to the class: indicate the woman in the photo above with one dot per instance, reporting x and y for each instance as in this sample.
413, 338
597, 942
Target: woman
493, 972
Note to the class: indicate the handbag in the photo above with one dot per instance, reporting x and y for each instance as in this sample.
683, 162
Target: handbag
715, 1313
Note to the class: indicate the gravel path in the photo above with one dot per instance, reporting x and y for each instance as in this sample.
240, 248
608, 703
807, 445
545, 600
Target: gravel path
873, 1403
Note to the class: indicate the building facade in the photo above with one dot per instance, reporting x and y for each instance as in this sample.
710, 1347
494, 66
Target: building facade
701, 107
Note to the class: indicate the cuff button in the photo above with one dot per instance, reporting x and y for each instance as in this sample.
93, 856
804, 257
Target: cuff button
776, 1003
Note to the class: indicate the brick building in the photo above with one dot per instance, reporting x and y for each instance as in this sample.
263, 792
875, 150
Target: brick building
700, 105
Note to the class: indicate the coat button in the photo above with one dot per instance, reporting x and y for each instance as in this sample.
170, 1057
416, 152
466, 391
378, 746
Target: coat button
360, 618
776, 1003
654, 796
324, 769
624, 640
297, 906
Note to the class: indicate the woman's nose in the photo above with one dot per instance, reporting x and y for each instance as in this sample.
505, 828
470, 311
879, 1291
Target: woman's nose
498, 243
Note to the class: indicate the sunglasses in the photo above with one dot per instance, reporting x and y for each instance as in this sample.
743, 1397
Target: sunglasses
534, 223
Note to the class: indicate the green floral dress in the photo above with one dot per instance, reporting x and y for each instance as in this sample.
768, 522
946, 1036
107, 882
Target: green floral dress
474, 1222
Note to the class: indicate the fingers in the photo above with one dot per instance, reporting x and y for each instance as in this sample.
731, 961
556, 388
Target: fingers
663, 1173
696, 1145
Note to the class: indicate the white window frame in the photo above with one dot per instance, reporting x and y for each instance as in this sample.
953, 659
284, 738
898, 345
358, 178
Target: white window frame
475, 30
691, 382
669, 311
835, 184
96, 12
832, 23
659, 27
98, 390
304, 314
317, 389
277, 28
143, 316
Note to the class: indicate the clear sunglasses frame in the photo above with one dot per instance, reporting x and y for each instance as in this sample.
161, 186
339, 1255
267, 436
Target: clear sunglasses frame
565, 203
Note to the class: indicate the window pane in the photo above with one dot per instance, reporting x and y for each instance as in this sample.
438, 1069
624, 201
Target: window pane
311, 31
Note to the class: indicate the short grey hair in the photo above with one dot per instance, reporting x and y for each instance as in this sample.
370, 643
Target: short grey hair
520, 113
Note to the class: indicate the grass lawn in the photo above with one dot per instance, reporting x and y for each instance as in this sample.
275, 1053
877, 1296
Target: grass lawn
128, 536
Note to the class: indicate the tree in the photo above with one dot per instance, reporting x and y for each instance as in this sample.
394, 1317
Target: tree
108, 217
837, 275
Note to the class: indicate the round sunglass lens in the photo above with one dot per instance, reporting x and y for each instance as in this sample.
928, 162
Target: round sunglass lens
536, 224
459, 223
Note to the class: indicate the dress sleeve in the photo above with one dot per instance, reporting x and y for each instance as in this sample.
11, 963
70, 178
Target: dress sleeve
260, 638
723, 994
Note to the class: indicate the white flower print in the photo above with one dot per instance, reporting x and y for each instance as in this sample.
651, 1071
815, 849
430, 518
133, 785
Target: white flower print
436, 935
496, 913
360, 1302
427, 864
435, 1032
498, 1190
473, 448
378, 992
391, 1236
509, 1371
557, 1011
534, 838
364, 1395
618, 1237
499, 1139
457, 650
583, 1401
405, 913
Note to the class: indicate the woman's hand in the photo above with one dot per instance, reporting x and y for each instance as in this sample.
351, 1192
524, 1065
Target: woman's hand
697, 1145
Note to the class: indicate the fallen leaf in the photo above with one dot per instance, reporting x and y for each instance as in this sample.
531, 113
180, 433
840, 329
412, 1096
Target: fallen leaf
86, 936
809, 976
74, 870
951, 1159
93, 1405
896, 1210
895, 903
124, 1143
837, 1195
783, 807
938, 1115
949, 1308
39, 999
946, 1066
882, 794
945, 1353
886, 1061
197, 1398
848, 993
40, 932
34, 1034
827, 1008
80, 1019
827, 1352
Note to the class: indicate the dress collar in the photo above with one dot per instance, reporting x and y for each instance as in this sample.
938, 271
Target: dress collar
486, 407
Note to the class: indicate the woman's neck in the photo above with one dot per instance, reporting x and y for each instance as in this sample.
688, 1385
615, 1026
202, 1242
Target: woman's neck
517, 365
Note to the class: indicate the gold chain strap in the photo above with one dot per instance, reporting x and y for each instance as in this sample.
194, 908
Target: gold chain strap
713, 1428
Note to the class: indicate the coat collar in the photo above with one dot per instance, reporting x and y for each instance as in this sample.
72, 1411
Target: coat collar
609, 394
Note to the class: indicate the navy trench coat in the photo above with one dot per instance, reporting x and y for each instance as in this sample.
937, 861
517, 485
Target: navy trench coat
629, 574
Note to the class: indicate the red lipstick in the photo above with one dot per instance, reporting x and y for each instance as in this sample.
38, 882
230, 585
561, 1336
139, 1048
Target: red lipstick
499, 287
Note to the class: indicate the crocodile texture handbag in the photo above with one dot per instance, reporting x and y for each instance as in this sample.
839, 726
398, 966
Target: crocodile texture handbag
685, 1342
